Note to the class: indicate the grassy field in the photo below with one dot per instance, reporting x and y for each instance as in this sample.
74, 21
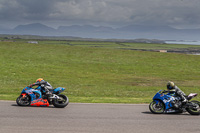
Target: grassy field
97, 72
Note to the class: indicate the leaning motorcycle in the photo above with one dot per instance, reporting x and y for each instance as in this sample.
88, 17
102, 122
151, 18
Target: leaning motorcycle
36, 97
170, 103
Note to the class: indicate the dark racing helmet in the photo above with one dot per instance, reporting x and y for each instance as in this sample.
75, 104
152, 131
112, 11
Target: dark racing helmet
170, 85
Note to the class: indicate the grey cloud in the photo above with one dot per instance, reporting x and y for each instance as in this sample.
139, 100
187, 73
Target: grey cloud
118, 12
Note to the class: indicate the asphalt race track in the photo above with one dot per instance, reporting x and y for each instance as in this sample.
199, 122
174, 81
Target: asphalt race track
93, 118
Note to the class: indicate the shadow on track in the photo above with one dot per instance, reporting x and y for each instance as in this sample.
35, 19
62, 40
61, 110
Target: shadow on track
148, 112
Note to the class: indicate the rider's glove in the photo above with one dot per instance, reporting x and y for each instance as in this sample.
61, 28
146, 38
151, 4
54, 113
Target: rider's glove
165, 91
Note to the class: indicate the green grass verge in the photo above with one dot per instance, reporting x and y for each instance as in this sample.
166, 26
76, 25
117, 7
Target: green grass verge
103, 74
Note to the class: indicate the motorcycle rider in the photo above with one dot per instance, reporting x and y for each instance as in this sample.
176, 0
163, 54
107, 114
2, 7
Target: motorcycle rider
171, 87
44, 84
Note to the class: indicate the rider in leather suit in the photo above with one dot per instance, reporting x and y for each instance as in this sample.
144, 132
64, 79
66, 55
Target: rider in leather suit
44, 84
173, 88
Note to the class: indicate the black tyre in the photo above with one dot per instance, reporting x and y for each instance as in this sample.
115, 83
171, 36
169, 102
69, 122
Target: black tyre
158, 108
194, 110
62, 102
194, 101
23, 101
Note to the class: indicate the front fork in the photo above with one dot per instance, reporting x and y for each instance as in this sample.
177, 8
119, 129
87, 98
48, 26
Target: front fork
23, 95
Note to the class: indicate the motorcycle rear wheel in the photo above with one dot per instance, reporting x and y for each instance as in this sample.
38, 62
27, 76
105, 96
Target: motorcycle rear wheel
193, 111
158, 108
23, 101
61, 103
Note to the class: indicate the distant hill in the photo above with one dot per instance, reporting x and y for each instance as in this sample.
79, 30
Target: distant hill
34, 29
85, 28
102, 32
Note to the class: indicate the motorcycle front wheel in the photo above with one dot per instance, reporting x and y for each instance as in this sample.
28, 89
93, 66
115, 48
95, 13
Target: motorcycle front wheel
62, 102
158, 108
23, 101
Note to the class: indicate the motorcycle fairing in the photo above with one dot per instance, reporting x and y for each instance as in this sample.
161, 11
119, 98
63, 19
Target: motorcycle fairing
40, 102
165, 98
35, 101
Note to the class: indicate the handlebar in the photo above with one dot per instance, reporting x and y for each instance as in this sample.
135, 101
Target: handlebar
165, 91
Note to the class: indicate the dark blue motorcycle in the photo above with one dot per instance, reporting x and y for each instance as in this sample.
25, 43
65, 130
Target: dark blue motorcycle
170, 103
38, 97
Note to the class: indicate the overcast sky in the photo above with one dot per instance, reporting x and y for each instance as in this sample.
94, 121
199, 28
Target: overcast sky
115, 13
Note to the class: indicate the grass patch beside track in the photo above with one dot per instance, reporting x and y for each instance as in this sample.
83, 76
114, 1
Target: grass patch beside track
98, 72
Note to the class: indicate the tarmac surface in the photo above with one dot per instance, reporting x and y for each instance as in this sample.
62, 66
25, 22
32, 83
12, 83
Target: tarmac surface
93, 118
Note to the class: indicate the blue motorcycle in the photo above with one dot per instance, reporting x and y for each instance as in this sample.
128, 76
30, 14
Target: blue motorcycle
170, 103
38, 97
